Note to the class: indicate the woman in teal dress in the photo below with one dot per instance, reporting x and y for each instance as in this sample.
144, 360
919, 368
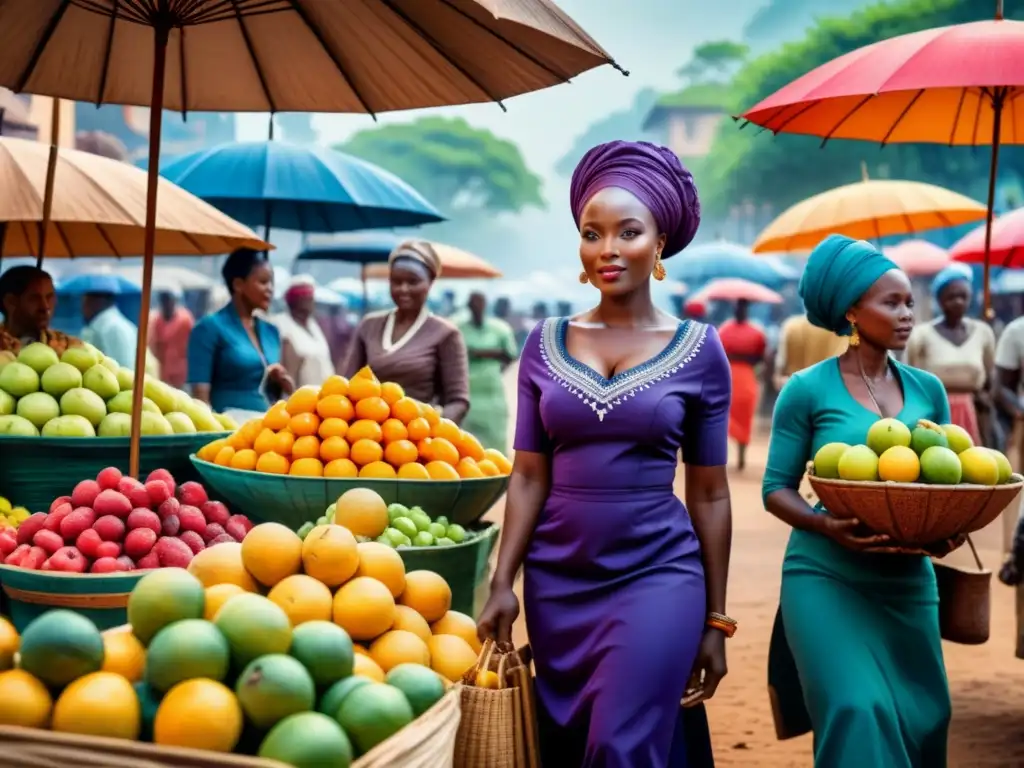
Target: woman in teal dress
860, 614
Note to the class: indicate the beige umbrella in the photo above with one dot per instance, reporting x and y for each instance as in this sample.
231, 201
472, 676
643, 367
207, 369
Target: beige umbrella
282, 55
455, 263
99, 209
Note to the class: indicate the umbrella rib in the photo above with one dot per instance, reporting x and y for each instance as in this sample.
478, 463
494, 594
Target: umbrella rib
44, 40
63, 237
977, 117
433, 43
956, 117
255, 59
102, 229
903, 114
183, 76
315, 31
136, 13
847, 116
107, 48
805, 108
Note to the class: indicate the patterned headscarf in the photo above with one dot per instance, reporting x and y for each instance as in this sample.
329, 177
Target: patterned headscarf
419, 252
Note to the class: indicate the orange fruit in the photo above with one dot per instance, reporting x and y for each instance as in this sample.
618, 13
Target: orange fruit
381, 562
373, 408
503, 464
364, 608
308, 467
391, 392
209, 451
277, 417
265, 441
304, 424
364, 429
413, 471
366, 372
330, 554
224, 456
468, 469
400, 452
362, 511
430, 413
303, 599
419, 429
217, 595
201, 714
334, 448
244, 459
423, 447
399, 646
270, 552
488, 467
273, 464
441, 449
404, 409
427, 593
365, 452
124, 655
341, 468
303, 400
440, 470
238, 441
332, 426
336, 407
251, 429
360, 389
460, 625
307, 447
364, 666
334, 385
469, 446
451, 656
447, 429
222, 564
283, 443
392, 430
406, 618
378, 469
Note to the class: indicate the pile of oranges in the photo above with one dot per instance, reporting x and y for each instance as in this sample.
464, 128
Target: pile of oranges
356, 428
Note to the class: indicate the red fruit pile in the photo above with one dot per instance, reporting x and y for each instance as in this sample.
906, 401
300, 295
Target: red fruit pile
115, 523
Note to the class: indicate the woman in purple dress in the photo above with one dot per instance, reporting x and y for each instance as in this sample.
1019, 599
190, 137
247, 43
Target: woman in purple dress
624, 584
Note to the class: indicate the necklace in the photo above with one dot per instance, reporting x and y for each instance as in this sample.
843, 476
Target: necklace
871, 390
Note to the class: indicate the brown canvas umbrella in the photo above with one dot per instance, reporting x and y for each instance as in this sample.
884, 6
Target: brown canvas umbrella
282, 55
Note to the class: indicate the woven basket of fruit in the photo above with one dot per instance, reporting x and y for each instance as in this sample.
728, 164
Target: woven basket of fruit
918, 486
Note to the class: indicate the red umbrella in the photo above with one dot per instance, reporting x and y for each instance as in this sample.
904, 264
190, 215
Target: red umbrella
956, 85
735, 289
919, 257
1006, 248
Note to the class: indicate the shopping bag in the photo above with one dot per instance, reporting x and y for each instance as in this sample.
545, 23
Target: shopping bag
499, 717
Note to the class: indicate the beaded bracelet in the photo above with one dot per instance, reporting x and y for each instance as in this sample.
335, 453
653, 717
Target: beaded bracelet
722, 623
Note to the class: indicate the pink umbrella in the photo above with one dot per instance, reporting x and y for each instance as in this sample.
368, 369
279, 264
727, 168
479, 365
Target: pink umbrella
1007, 242
735, 289
919, 257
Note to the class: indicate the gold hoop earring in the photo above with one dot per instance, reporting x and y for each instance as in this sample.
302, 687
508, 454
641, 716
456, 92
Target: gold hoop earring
659, 268
854, 336
583, 277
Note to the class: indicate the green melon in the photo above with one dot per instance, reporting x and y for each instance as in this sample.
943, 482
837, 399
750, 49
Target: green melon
422, 686
163, 597
186, 650
273, 687
308, 740
372, 713
325, 649
335, 696
61, 646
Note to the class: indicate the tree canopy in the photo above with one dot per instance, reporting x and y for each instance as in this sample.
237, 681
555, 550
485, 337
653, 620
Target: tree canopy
454, 165
753, 165
714, 60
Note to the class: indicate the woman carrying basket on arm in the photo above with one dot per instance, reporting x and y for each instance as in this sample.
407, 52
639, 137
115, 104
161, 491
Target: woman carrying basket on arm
860, 615
624, 585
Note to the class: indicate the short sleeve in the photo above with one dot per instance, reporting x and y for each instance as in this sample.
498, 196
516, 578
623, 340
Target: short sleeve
792, 438
202, 351
530, 433
508, 342
1009, 352
706, 424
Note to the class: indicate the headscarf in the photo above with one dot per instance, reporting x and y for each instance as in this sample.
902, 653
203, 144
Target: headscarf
952, 274
839, 271
300, 287
654, 174
417, 254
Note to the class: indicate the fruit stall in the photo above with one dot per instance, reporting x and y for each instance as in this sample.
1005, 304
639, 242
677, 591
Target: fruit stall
299, 589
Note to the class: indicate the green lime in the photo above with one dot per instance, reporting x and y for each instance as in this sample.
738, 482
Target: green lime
323, 520
456, 533
437, 530
442, 520
304, 530
397, 510
422, 520
423, 539
329, 514
393, 537
444, 541
405, 525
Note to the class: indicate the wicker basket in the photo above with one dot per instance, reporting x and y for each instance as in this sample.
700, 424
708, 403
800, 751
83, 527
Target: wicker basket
914, 513
429, 742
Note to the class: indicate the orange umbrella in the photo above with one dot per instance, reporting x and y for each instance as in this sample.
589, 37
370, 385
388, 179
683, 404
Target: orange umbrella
455, 263
735, 289
919, 257
956, 85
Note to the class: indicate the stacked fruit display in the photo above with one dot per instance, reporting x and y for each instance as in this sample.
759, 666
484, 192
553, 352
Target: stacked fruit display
929, 453
84, 394
117, 523
211, 663
10, 515
357, 428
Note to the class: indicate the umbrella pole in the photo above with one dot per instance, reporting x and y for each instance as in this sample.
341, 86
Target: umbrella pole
997, 118
51, 173
160, 36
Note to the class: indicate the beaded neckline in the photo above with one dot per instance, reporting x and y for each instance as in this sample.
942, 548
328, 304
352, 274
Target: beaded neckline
602, 394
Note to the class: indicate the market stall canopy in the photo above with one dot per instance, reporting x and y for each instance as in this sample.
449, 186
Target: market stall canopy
709, 261
735, 289
919, 257
99, 209
1007, 248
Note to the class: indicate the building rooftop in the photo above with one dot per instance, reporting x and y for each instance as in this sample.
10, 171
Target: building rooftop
707, 98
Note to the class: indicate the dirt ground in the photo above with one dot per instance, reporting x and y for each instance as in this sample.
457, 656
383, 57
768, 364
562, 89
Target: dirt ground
987, 681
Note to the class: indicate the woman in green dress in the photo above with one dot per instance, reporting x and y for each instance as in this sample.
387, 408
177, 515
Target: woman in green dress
860, 614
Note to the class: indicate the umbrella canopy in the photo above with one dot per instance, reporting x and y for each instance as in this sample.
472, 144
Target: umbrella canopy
99, 209
919, 257
98, 283
869, 209
711, 261
1010, 281
374, 248
735, 289
180, 277
308, 189
1007, 246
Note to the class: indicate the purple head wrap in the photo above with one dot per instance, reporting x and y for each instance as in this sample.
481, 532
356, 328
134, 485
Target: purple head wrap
654, 174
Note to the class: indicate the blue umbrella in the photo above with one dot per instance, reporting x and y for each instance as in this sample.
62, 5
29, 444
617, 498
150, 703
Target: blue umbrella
711, 261
1010, 281
98, 283
354, 247
306, 189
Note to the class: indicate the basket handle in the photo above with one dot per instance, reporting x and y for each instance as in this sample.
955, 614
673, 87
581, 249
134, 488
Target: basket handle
483, 662
974, 551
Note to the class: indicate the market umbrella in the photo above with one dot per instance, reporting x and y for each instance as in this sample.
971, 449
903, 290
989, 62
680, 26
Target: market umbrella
455, 263
1004, 243
867, 210
99, 209
919, 258
736, 289
710, 261
307, 189
1010, 281
180, 277
282, 55
93, 282
956, 85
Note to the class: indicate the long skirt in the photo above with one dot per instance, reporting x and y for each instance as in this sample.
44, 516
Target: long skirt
963, 413
743, 407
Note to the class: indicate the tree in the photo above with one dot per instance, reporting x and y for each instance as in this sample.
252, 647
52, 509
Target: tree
454, 165
626, 124
753, 165
714, 60
780, 21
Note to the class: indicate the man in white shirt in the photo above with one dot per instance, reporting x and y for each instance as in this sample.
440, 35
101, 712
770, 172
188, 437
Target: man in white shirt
108, 330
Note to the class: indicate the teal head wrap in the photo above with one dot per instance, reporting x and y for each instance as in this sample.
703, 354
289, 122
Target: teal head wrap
839, 271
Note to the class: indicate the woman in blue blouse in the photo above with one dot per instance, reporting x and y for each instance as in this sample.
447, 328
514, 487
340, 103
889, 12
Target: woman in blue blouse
860, 614
233, 356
